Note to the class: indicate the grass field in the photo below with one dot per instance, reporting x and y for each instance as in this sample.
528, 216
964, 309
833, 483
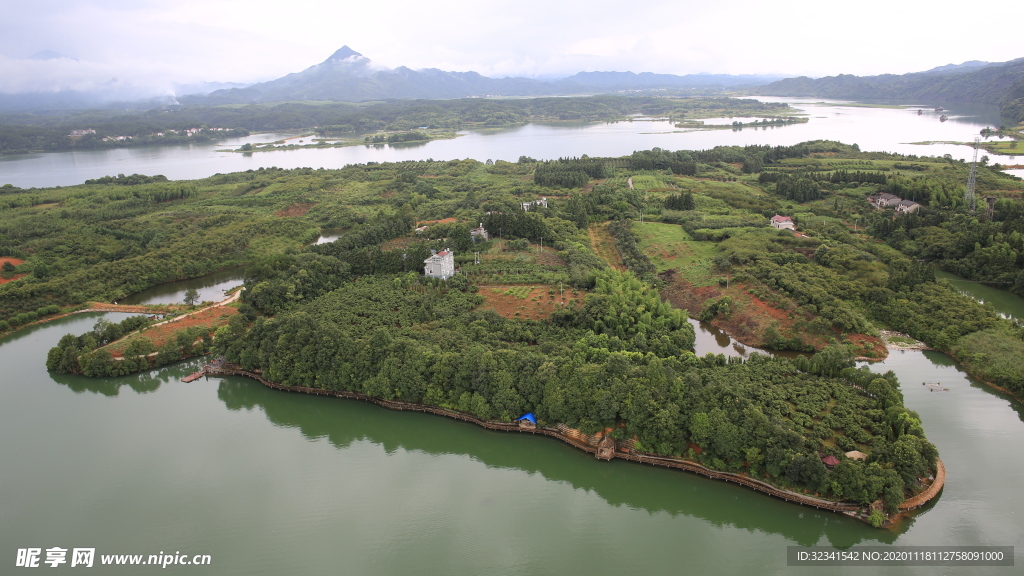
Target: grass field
1005, 147
530, 301
670, 247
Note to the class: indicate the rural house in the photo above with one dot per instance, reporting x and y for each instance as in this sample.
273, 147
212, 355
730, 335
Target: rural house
440, 264
782, 222
479, 233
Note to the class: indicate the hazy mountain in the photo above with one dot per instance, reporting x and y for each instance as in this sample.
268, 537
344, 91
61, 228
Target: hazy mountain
1000, 83
349, 76
630, 80
968, 66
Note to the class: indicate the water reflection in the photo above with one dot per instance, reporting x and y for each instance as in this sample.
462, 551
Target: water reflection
210, 287
619, 483
140, 383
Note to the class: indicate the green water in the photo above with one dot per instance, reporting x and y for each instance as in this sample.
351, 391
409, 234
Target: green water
274, 483
1007, 304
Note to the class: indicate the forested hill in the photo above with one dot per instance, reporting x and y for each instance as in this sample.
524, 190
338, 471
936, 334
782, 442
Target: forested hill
349, 76
1001, 84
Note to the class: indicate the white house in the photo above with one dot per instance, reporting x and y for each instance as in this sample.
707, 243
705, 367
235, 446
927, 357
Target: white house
782, 222
440, 264
480, 233
527, 206
907, 206
884, 200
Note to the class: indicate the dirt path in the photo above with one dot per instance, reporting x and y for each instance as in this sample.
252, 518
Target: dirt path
225, 302
604, 246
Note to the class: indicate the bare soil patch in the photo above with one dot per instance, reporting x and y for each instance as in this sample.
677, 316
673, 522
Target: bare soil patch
527, 302
294, 211
15, 262
443, 221
604, 246
751, 317
211, 318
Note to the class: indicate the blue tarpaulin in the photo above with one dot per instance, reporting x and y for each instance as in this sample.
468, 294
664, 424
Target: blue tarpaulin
528, 416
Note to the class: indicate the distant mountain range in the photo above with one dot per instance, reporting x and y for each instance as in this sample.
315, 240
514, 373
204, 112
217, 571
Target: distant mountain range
349, 76
1000, 83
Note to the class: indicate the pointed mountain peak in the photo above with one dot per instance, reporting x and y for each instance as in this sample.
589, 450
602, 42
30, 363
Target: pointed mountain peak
343, 53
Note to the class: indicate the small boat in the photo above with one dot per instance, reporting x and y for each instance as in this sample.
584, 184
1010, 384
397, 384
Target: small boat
939, 108
919, 111
943, 118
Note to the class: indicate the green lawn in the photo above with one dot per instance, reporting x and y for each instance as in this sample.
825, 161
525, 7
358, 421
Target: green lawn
670, 247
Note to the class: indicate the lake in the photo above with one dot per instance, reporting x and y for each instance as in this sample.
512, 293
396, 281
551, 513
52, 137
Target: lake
877, 129
271, 483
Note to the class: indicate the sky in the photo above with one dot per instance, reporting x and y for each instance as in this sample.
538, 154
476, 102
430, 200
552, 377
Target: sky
154, 44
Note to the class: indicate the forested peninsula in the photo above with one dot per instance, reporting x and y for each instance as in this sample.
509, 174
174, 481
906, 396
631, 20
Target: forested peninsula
568, 306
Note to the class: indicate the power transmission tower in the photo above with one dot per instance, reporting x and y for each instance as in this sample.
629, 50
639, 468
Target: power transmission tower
969, 198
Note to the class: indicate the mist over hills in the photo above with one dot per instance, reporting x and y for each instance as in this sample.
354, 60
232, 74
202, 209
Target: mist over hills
347, 75
999, 83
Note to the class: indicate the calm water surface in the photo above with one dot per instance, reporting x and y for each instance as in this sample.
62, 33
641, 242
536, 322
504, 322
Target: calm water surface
885, 129
274, 483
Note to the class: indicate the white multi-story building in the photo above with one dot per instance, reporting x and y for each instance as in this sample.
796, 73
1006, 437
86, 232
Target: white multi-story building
440, 264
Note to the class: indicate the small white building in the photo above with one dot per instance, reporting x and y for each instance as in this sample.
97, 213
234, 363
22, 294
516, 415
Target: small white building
884, 200
479, 233
527, 206
440, 264
782, 222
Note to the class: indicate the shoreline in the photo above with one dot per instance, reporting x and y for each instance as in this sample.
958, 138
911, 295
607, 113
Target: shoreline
601, 449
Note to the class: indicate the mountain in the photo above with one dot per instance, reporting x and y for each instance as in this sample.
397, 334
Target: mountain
630, 80
347, 75
1001, 84
968, 66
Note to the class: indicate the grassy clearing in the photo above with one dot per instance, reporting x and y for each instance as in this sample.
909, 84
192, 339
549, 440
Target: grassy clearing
604, 246
530, 301
670, 248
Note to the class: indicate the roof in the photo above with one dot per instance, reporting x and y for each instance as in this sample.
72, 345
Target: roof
856, 455
443, 253
908, 203
830, 460
528, 416
778, 218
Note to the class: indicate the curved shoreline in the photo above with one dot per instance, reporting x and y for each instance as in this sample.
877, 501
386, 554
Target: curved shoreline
848, 509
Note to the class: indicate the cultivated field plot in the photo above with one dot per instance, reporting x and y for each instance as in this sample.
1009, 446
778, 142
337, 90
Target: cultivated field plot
530, 301
669, 247
211, 319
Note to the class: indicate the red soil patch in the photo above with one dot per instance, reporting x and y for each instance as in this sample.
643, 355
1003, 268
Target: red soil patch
294, 211
868, 346
396, 243
211, 318
751, 317
444, 221
15, 262
536, 305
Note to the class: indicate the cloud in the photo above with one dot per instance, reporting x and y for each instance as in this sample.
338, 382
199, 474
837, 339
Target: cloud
159, 42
